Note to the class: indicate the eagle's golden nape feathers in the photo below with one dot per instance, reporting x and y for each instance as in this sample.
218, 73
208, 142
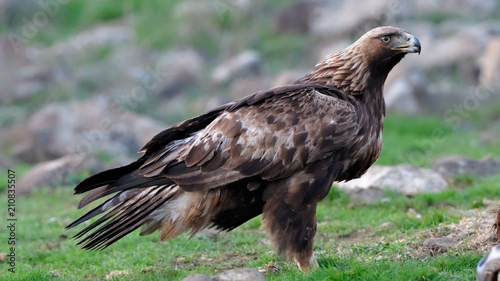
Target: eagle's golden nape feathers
275, 152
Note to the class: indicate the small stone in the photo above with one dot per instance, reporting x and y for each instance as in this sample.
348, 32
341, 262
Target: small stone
116, 273
198, 277
247, 63
440, 244
386, 226
55, 273
363, 196
240, 274
413, 213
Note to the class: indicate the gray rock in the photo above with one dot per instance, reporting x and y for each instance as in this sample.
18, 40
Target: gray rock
456, 165
103, 35
288, 77
490, 137
240, 274
365, 196
467, 8
406, 179
295, 18
84, 128
54, 172
441, 244
348, 17
407, 94
179, 68
198, 277
247, 63
467, 47
248, 85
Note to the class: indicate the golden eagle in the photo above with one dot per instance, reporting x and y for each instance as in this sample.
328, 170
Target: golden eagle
275, 152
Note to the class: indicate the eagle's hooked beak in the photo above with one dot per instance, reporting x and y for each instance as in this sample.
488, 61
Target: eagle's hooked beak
411, 45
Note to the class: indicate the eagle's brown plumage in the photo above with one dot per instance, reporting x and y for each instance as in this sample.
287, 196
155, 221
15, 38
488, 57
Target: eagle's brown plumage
275, 152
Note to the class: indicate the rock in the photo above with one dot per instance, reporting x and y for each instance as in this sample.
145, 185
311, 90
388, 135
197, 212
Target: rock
103, 35
490, 64
407, 94
295, 18
441, 244
489, 266
247, 63
198, 277
179, 68
406, 179
22, 78
325, 50
83, 128
490, 137
465, 8
55, 273
348, 17
456, 165
467, 47
288, 77
248, 85
133, 62
385, 226
3, 257
54, 172
365, 196
240, 274
412, 213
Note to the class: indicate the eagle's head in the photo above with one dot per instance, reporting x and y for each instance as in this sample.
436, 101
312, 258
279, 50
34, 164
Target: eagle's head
383, 47
366, 61
387, 41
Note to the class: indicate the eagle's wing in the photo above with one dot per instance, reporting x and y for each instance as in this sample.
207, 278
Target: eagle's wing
269, 134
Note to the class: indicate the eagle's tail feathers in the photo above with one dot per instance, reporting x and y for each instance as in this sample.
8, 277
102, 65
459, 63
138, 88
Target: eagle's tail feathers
106, 177
130, 212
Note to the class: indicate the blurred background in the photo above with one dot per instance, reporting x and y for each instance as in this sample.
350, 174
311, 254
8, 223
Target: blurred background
84, 84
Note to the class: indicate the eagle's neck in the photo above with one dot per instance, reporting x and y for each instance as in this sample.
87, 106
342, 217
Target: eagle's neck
353, 71
346, 70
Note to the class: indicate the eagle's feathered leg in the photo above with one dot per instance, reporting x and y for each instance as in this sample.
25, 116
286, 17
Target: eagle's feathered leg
289, 214
291, 229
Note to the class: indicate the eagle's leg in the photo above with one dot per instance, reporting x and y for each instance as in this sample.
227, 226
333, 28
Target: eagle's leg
291, 227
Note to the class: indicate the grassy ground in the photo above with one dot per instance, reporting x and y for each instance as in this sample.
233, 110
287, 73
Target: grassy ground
382, 241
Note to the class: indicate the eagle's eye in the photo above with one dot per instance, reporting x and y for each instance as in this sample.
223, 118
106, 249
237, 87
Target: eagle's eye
385, 39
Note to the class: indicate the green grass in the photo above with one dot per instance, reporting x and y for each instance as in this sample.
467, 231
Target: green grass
421, 141
44, 248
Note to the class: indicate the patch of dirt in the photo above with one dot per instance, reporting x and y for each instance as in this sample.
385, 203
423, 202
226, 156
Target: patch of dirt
474, 232
471, 234
226, 261
116, 273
